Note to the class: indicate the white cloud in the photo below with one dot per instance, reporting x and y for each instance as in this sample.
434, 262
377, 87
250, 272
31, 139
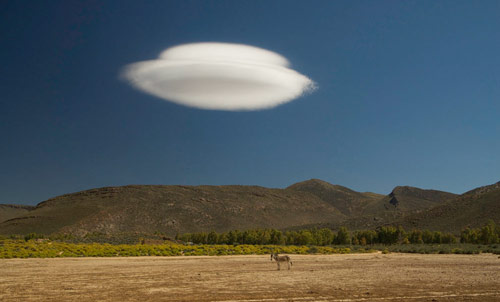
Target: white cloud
219, 76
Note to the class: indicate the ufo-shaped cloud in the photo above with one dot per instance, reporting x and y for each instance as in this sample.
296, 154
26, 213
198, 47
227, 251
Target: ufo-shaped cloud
219, 76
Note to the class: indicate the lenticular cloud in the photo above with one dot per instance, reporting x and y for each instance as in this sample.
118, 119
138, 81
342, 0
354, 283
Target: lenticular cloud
219, 76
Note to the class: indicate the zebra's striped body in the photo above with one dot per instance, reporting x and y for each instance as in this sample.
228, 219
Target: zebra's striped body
280, 259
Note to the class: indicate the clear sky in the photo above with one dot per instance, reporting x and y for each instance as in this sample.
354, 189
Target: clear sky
408, 94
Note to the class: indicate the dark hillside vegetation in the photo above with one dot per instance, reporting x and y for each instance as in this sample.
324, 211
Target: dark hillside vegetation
406, 199
170, 210
349, 202
414, 208
471, 209
9, 211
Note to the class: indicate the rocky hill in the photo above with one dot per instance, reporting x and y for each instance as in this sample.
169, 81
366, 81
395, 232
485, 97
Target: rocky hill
172, 209
312, 203
347, 201
405, 199
8, 211
471, 209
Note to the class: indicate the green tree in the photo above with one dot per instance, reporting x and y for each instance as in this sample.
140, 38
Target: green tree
427, 236
292, 237
448, 238
264, 236
343, 236
277, 237
437, 237
232, 237
366, 237
415, 237
200, 238
212, 237
469, 236
325, 236
488, 234
387, 235
223, 238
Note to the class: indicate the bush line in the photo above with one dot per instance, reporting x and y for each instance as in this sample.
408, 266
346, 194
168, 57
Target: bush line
488, 234
261, 241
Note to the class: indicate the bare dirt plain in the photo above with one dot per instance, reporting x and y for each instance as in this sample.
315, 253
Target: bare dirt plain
351, 277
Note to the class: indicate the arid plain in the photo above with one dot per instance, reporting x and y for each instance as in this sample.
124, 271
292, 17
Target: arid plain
348, 277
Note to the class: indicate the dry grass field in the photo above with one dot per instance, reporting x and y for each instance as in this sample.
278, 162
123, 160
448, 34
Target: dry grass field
350, 277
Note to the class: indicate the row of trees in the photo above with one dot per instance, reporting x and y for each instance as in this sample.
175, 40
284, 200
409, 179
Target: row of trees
488, 234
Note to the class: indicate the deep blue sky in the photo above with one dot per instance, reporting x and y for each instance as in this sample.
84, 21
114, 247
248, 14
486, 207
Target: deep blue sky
409, 94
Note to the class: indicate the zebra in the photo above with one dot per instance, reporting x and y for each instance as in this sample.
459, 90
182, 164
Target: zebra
279, 259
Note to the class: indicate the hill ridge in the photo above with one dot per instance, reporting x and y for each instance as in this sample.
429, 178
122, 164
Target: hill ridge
179, 208
9, 211
172, 209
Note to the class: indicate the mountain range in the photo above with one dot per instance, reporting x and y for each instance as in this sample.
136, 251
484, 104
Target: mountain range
313, 203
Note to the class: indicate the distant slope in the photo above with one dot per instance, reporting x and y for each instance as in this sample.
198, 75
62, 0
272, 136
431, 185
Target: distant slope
405, 199
471, 209
8, 211
312, 203
172, 209
347, 201
392, 208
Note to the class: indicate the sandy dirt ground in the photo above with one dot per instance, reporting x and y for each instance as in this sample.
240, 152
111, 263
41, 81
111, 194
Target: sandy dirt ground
352, 277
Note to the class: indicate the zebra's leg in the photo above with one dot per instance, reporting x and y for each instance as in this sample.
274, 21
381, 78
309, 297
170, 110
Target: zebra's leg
279, 268
288, 262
